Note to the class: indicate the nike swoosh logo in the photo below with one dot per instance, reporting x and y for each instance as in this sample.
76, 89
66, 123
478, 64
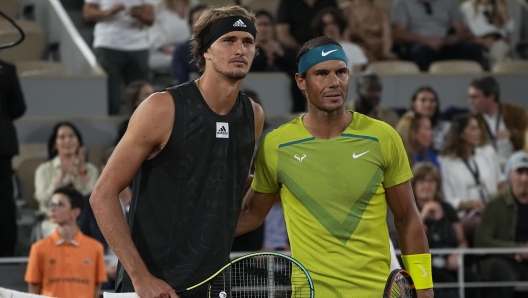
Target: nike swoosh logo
423, 270
323, 53
359, 155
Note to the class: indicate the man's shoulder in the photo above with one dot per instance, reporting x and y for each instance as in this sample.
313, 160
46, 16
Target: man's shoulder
374, 127
502, 199
285, 133
43, 244
512, 108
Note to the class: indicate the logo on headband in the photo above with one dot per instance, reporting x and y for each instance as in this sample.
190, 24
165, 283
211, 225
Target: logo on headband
239, 23
323, 53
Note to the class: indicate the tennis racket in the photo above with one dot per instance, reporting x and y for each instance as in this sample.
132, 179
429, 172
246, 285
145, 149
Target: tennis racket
261, 274
399, 285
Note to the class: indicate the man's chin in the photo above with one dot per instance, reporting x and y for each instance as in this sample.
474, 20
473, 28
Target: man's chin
236, 75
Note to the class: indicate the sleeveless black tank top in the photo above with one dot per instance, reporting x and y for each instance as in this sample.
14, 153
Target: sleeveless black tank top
187, 199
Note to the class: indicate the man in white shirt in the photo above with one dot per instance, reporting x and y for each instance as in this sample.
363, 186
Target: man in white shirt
120, 41
503, 124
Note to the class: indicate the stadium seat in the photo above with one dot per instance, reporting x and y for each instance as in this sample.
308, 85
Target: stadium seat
455, 67
32, 46
393, 67
40, 68
511, 66
26, 173
10, 7
28, 151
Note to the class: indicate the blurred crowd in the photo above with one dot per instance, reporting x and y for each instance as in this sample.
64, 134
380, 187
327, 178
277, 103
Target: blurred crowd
470, 165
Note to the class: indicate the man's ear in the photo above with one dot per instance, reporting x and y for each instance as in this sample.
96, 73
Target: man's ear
76, 212
206, 55
301, 81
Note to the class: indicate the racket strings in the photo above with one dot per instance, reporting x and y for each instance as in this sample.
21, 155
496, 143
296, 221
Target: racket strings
261, 276
401, 288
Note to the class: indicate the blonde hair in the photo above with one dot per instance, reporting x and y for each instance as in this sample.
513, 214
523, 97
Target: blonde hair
209, 16
407, 127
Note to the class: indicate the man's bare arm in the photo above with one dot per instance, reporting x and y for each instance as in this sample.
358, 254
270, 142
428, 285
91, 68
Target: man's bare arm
147, 133
259, 117
92, 12
255, 208
144, 13
34, 288
408, 223
97, 290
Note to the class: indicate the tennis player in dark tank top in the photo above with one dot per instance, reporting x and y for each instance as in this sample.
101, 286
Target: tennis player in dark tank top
189, 150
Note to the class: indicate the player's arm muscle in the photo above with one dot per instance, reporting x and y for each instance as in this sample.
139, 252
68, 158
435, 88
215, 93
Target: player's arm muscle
255, 208
147, 133
407, 219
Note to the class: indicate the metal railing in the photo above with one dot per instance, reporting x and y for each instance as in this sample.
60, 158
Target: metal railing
462, 252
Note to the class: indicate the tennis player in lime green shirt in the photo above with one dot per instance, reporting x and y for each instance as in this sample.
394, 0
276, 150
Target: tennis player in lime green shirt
335, 171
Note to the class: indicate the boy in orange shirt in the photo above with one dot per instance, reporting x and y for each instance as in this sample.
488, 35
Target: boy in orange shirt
67, 263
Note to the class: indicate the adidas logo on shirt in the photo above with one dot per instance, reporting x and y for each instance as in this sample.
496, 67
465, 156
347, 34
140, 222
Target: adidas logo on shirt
222, 130
239, 23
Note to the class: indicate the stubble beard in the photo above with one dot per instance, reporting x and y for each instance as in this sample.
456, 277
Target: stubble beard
235, 75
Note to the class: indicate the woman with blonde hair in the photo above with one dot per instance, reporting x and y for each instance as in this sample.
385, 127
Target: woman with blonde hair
490, 24
416, 132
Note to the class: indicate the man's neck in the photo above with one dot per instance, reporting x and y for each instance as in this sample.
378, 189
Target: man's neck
219, 92
327, 125
492, 110
67, 231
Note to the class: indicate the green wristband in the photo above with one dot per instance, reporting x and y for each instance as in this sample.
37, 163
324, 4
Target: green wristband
419, 267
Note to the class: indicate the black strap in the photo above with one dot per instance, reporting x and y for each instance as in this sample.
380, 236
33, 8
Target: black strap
490, 133
476, 175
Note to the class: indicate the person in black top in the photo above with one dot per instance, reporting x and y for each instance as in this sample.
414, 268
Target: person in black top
273, 56
190, 150
12, 106
294, 18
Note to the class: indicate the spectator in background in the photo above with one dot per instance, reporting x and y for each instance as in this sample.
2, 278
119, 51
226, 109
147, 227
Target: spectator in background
170, 29
66, 167
120, 41
294, 18
502, 124
330, 22
425, 102
505, 224
416, 132
490, 24
12, 106
67, 263
431, 31
368, 89
182, 59
135, 93
442, 227
369, 27
273, 56
471, 173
